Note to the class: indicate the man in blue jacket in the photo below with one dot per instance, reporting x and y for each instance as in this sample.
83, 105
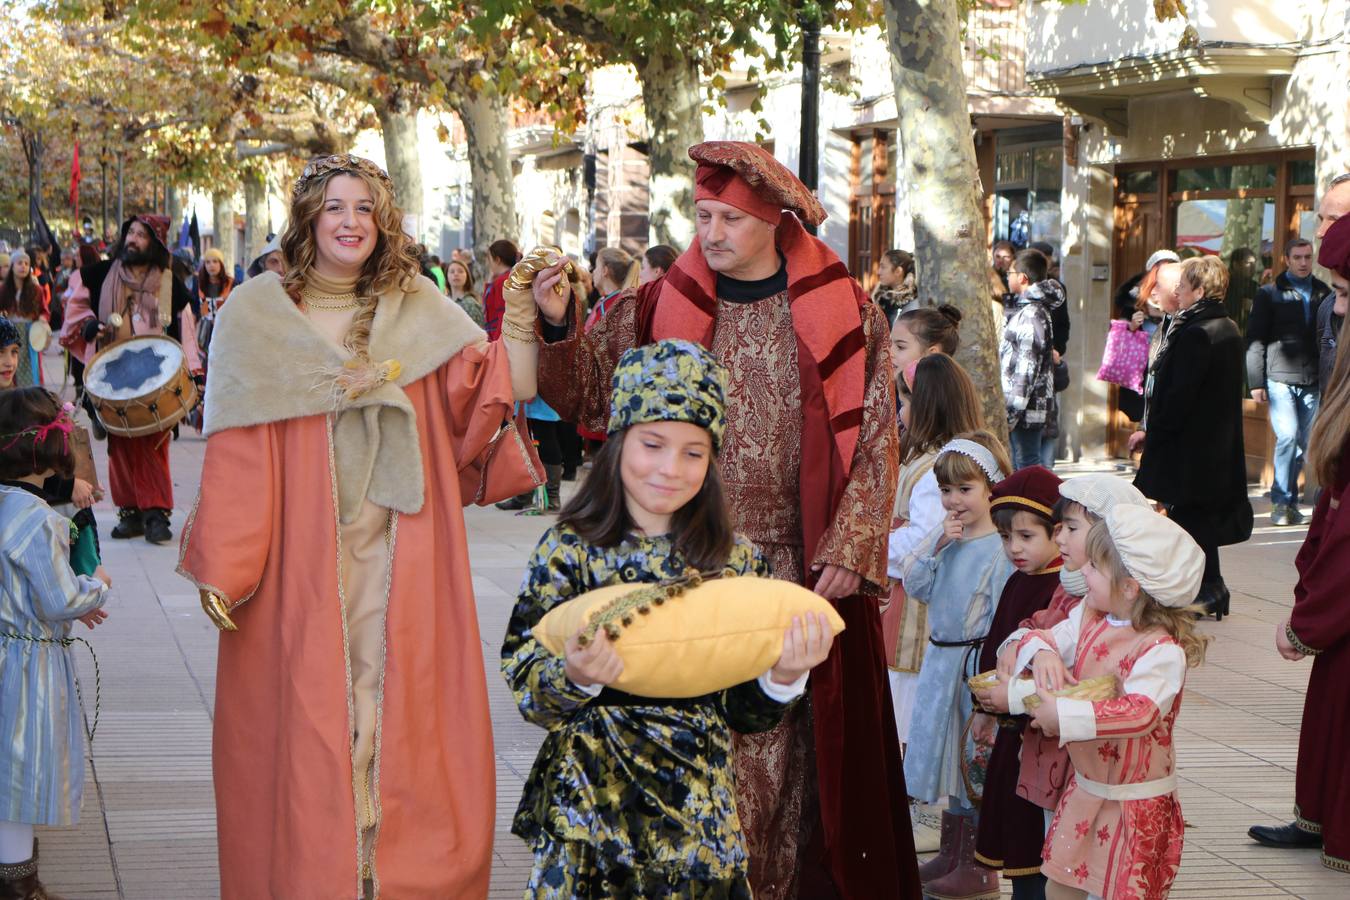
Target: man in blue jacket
1282, 359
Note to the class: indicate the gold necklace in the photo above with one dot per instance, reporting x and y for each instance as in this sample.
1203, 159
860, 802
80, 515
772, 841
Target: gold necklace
335, 302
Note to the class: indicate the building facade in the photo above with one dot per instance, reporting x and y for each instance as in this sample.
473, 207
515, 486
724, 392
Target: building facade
1220, 149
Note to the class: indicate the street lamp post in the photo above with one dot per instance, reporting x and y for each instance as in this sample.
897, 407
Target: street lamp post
808, 164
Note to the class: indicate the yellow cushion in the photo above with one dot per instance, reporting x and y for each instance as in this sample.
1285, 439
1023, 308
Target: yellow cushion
686, 641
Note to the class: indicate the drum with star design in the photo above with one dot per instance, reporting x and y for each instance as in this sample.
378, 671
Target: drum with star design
140, 386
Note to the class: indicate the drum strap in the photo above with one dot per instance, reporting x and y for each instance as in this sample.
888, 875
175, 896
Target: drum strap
165, 298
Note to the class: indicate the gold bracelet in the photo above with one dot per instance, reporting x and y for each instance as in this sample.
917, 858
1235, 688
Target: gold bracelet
1297, 644
518, 333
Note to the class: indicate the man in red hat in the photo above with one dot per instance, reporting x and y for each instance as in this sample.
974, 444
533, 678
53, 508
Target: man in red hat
809, 466
115, 299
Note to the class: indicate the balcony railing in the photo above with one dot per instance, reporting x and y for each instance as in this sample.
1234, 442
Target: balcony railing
995, 48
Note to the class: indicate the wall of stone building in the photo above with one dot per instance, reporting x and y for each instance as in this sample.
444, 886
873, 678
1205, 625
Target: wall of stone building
1309, 110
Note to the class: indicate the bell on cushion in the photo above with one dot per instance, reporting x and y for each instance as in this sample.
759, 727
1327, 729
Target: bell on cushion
687, 638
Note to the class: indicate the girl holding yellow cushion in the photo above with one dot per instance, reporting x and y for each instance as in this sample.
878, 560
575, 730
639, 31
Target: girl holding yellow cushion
634, 796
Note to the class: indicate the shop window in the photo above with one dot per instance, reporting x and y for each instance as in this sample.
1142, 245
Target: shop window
1303, 171
1142, 182
1028, 182
1226, 178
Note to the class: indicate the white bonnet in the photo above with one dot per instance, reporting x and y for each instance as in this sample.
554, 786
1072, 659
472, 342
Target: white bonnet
1158, 553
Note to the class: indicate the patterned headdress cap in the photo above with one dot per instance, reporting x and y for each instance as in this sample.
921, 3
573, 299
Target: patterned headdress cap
983, 458
669, 381
9, 334
747, 176
341, 162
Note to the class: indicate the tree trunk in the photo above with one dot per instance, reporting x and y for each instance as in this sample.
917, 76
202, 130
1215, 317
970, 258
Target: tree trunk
942, 183
673, 101
173, 203
494, 193
255, 214
222, 217
398, 125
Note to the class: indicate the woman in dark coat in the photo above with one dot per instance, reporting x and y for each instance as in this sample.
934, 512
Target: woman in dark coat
1194, 462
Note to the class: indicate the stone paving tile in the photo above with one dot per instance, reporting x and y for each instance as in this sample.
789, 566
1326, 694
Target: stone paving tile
147, 828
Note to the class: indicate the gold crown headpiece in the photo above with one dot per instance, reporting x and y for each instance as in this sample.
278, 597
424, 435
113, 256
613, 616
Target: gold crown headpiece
340, 162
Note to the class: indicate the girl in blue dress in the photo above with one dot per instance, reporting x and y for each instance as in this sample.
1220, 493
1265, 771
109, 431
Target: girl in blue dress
42, 770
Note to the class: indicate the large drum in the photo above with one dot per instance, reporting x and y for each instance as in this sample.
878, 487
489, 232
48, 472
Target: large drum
140, 386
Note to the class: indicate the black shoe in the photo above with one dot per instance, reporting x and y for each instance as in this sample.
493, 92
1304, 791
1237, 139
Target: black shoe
1214, 597
157, 526
130, 524
518, 502
569, 473
1284, 837
553, 489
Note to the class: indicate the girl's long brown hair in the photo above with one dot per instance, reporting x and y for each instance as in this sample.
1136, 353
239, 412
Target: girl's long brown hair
1331, 428
23, 301
394, 264
943, 404
1179, 622
701, 530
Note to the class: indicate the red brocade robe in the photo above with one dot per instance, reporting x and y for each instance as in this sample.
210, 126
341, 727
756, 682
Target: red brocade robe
791, 492
1321, 621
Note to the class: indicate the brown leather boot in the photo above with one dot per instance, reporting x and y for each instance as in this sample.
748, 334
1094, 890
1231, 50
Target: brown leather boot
968, 880
19, 881
945, 860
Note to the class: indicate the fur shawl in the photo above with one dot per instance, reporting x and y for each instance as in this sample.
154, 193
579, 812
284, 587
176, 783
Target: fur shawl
269, 364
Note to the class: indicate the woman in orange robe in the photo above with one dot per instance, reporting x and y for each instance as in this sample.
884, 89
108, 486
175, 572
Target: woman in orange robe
351, 414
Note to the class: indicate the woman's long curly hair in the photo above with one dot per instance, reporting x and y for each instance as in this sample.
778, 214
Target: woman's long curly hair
393, 265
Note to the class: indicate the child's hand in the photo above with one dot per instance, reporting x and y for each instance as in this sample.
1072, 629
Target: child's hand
82, 494
1050, 673
596, 663
1006, 661
102, 575
94, 618
1046, 716
952, 530
805, 646
994, 699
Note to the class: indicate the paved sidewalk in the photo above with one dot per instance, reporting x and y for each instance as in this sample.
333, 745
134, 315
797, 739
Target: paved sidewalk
148, 827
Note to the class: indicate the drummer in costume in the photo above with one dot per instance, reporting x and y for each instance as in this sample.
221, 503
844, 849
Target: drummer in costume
133, 292
809, 465
352, 412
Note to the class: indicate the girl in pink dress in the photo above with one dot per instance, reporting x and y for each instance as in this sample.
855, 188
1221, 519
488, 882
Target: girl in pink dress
1117, 832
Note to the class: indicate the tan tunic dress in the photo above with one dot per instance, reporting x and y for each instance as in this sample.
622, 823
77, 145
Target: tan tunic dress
364, 553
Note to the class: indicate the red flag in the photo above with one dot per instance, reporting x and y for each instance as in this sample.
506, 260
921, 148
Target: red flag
75, 184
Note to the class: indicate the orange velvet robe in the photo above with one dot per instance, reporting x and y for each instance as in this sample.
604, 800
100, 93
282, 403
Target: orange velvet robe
264, 536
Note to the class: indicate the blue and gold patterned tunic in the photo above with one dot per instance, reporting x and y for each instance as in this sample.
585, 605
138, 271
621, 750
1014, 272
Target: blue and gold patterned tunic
626, 799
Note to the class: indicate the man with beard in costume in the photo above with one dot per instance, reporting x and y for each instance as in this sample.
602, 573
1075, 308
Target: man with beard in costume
133, 292
809, 466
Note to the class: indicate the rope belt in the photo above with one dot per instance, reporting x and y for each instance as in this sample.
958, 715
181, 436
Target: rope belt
98, 679
970, 661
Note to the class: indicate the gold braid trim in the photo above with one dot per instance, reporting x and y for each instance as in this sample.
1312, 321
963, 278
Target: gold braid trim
618, 613
1298, 645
